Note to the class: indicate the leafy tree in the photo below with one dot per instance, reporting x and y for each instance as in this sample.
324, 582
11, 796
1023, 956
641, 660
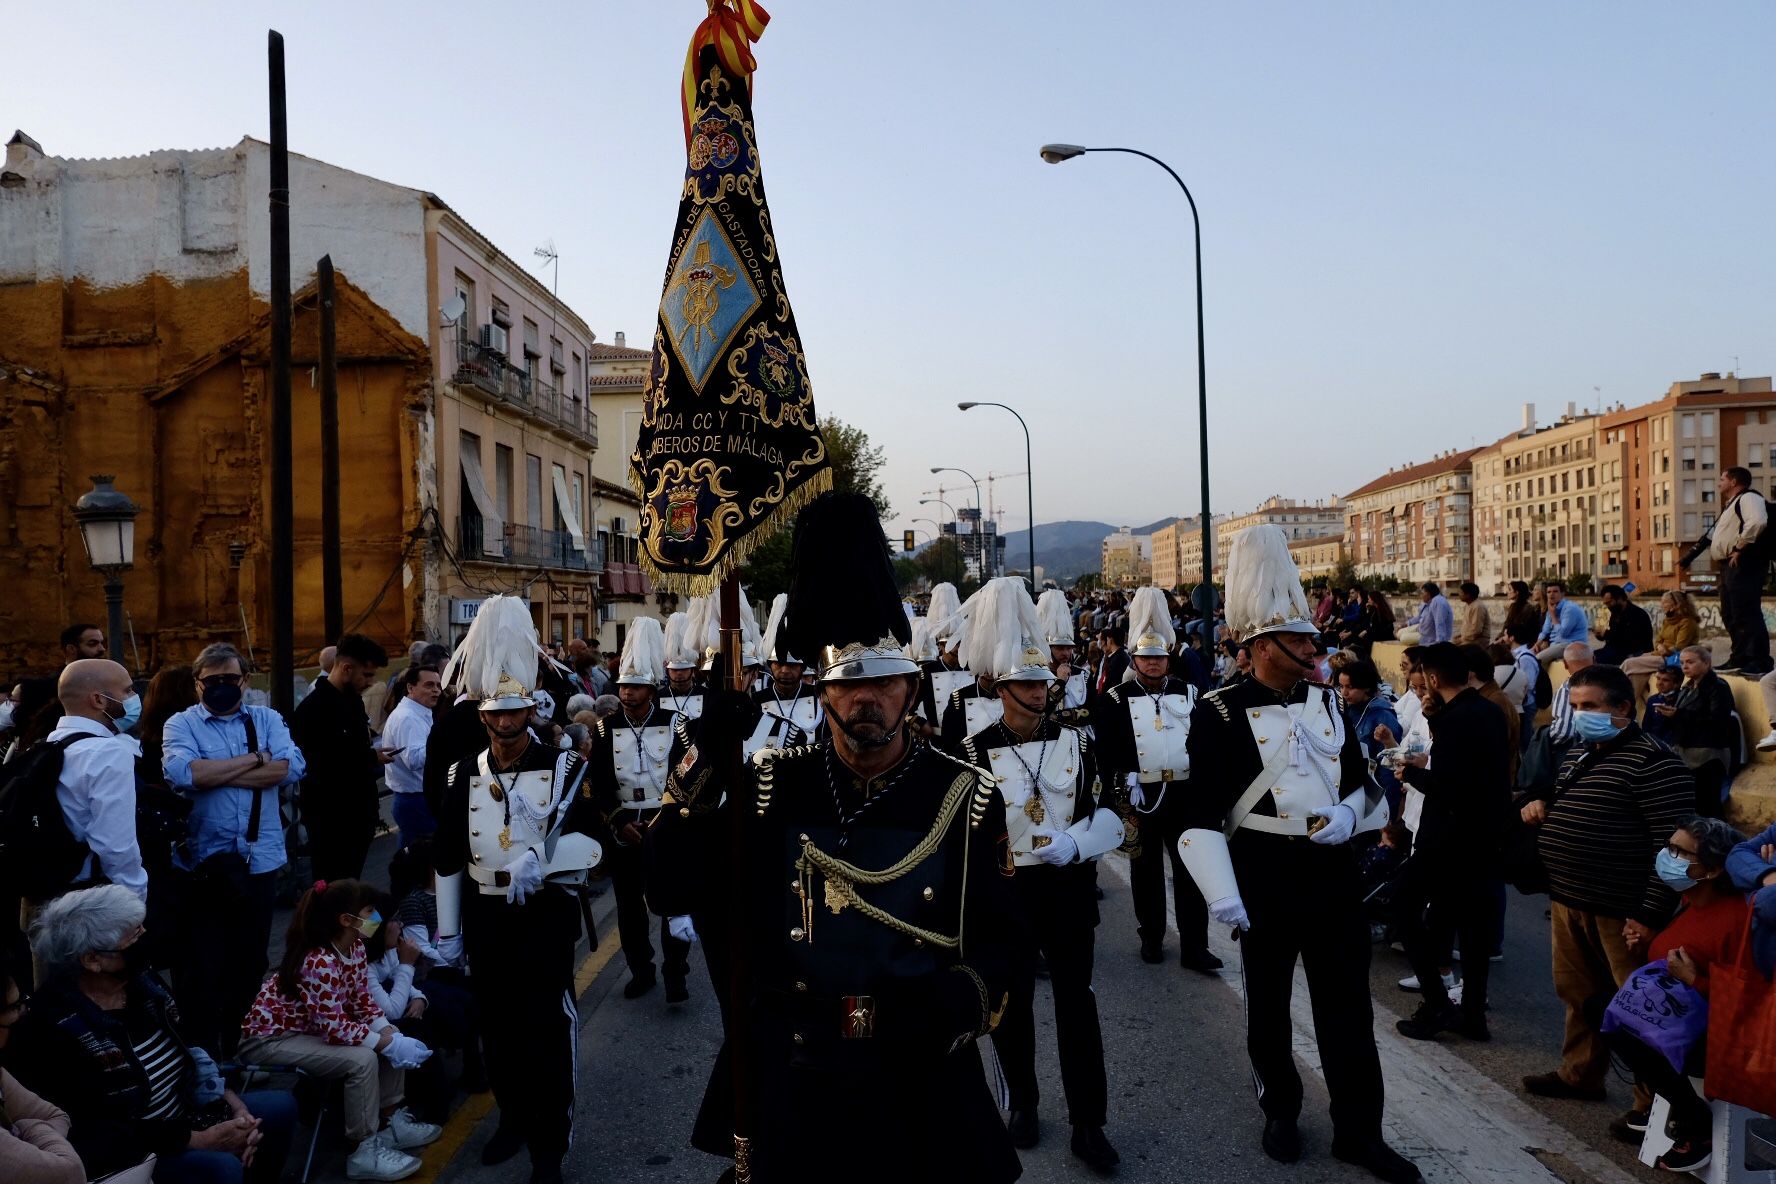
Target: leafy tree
1345, 574
856, 468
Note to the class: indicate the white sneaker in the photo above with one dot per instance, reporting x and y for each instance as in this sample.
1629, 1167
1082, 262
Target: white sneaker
407, 1134
1768, 743
1455, 994
377, 1159
1410, 982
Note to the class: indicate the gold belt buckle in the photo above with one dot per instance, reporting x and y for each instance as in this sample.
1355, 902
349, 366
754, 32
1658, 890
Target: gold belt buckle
1165, 775
859, 1021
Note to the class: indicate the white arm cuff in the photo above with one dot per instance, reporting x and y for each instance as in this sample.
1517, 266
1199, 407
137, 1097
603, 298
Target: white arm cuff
1205, 857
1098, 835
449, 906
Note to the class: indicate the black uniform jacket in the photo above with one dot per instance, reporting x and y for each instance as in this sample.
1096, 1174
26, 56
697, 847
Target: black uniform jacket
1073, 885
908, 1099
1224, 756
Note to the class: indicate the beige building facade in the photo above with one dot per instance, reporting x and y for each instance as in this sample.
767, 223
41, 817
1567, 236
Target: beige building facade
1414, 523
1317, 558
1125, 559
618, 372
1297, 520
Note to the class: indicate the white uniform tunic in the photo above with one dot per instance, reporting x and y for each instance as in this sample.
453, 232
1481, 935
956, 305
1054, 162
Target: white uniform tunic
1044, 809
640, 756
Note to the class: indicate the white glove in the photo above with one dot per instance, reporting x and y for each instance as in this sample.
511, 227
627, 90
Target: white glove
451, 948
1230, 910
1341, 824
404, 1052
681, 929
527, 877
1137, 799
1062, 851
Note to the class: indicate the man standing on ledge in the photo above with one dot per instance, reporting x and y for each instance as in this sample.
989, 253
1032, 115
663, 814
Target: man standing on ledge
1278, 787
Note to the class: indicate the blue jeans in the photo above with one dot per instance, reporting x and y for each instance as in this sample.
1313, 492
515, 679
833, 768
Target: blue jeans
276, 1113
413, 818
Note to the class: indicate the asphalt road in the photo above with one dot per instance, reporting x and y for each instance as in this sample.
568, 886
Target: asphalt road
1181, 1097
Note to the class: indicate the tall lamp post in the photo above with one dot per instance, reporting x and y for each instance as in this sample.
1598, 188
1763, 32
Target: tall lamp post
107, 521
1058, 153
979, 556
1029, 481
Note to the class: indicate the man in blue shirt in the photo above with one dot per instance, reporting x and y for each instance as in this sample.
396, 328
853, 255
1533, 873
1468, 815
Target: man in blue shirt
1564, 625
1435, 620
230, 759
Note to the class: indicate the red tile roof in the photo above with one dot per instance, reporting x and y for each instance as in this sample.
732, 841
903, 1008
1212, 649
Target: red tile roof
1443, 464
616, 381
599, 351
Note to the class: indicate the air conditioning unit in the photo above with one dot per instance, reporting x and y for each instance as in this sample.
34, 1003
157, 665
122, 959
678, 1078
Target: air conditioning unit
493, 337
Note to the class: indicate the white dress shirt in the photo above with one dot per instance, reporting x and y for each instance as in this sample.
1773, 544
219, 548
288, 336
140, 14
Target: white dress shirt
408, 728
97, 792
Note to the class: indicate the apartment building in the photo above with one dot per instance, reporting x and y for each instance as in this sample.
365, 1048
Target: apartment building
1538, 499
618, 373
1415, 523
1317, 558
1296, 519
1125, 559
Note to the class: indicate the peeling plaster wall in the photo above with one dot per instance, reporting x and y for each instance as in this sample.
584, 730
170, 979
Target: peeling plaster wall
133, 341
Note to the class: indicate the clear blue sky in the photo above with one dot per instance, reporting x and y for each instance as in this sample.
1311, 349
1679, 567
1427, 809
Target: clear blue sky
1416, 217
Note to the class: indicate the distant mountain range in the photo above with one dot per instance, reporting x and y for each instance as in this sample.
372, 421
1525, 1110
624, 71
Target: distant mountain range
1067, 550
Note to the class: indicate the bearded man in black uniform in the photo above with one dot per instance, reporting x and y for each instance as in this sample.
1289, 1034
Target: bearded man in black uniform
874, 901
1278, 788
518, 819
1143, 727
1057, 832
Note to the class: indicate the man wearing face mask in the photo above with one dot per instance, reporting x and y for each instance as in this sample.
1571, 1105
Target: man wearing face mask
339, 800
97, 788
1602, 824
230, 759
1279, 785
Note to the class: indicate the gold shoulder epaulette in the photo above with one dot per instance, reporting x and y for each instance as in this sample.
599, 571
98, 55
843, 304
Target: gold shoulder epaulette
1220, 705
986, 786
764, 764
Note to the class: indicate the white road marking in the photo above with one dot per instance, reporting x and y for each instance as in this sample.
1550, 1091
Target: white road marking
1454, 1122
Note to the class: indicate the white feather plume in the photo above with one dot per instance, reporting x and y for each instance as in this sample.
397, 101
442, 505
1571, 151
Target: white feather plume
1001, 624
773, 624
1263, 583
703, 628
644, 652
945, 603
923, 646
502, 639
1148, 614
1057, 617
680, 648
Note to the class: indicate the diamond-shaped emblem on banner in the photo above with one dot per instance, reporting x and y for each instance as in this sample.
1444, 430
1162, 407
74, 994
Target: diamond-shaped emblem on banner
707, 300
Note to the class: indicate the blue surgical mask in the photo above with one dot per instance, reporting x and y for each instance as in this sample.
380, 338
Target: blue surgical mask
1594, 727
1674, 870
132, 712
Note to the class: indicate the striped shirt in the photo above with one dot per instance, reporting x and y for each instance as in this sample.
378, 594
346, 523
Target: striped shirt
1560, 721
1615, 804
162, 1061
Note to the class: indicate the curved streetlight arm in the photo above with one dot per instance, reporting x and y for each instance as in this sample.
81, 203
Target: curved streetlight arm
1029, 480
980, 558
1056, 154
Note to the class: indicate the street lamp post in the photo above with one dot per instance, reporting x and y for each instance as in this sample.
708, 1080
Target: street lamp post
107, 521
1029, 481
979, 557
1059, 153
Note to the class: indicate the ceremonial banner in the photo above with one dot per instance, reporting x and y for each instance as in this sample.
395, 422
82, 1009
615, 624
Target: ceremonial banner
729, 447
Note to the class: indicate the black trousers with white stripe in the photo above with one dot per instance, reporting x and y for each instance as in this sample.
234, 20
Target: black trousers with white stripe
1305, 903
523, 978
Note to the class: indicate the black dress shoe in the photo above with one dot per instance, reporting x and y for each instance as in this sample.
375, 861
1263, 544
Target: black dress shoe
1379, 1160
507, 1141
1282, 1139
639, 984
1090, 1145
1023, 1128
676, 991
1151, 953
1428, 1021
1200, 960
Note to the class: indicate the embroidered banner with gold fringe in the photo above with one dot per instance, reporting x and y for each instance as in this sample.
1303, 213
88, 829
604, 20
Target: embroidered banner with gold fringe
729, 447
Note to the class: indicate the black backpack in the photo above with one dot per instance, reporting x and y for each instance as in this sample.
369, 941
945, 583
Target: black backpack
1763, 548
39, 855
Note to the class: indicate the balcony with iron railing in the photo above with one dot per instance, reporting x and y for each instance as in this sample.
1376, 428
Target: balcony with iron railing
492, 374
523, 546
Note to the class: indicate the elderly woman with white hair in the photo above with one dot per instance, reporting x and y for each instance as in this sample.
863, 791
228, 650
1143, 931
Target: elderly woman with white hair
102, 1042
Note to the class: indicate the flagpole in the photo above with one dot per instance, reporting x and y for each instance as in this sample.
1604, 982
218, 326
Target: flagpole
739, 1029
